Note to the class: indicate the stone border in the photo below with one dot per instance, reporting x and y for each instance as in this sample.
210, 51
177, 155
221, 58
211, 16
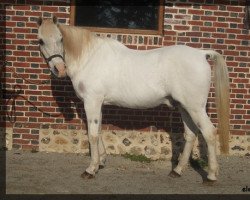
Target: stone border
154, 145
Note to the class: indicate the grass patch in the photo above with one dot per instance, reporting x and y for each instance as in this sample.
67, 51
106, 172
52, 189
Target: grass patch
137, 158
198, 163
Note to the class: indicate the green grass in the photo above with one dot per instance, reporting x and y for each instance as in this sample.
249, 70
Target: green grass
198, 163
137, 158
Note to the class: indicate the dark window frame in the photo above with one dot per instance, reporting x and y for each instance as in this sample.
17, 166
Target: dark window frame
247, 15
123, 30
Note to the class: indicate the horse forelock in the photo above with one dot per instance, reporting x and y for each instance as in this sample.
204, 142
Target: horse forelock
47, 28
76, 41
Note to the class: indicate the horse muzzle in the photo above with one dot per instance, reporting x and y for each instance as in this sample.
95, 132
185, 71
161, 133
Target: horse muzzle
59, 70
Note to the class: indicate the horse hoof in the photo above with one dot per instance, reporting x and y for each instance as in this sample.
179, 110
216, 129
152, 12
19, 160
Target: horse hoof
86, 175
174, 174
208, 182
101, 166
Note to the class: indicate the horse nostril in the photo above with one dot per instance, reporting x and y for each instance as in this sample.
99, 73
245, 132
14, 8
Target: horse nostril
56, 70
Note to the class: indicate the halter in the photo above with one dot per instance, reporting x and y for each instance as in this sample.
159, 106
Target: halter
54, 56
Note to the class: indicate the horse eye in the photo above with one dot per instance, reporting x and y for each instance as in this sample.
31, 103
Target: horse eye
40, 41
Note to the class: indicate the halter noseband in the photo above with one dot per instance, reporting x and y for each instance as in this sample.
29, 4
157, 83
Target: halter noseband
54, 56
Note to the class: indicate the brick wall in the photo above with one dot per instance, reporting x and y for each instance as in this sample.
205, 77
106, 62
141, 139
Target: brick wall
208, 26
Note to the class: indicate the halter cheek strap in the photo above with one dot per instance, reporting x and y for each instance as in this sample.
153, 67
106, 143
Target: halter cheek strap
54, 56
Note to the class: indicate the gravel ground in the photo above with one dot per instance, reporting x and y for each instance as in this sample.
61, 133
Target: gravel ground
54, 173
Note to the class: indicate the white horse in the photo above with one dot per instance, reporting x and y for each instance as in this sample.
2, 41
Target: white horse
105, 72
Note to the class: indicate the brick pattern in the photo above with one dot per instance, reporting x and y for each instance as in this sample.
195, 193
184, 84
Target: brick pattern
208, 26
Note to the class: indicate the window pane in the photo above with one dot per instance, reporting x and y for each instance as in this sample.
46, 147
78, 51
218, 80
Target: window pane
118, 14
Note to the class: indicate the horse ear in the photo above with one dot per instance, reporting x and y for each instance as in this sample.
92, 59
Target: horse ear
39, 21
54, 19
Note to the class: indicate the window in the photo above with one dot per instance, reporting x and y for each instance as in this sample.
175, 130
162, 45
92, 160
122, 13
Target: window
124, 16
247, 15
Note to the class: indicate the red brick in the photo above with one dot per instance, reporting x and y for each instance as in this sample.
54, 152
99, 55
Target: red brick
235, 31
221, 13
23, 42
183, 39
234, 111
9, 12
208, 18
235, 8
46, 120
219, 35
31, 36
32, 92
10, 47
30, 136
196, 12
141, 48
33, 114
234, 42
210, 7
32, 125
35, 60
181, 27
21, 7
238, 121
194, 34
31, 25
33, 71
49, 8
238, 132
11, 24
221, 24
207, 29
10, 35
21, 64
196, 23
16, 130
207, 40
20, 141
44, 98
231, 53
21, 53
32, 13
20, 18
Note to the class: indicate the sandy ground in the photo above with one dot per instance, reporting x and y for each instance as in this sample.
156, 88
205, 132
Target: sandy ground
54, 173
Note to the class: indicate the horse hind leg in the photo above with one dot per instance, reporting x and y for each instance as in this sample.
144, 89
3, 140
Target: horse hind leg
102, 152
190, 133
208, 131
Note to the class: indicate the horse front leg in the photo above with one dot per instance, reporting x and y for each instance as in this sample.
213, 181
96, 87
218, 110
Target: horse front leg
101, 147
93, 113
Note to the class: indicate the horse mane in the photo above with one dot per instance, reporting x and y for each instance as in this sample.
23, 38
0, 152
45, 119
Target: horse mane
76, 42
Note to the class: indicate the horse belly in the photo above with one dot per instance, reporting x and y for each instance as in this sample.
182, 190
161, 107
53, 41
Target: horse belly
135, 99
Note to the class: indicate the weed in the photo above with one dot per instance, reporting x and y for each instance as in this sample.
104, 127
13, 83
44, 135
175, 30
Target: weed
138, 158
198, 163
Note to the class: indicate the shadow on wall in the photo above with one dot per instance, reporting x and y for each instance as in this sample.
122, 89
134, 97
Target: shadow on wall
160, 118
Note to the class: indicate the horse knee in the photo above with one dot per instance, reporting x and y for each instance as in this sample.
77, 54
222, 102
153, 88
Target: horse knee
210, 137
93, 139
189, 137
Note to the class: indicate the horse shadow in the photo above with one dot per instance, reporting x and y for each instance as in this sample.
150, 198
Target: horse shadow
160, 118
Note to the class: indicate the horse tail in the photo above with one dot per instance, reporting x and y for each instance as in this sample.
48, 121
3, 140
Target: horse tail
222, 97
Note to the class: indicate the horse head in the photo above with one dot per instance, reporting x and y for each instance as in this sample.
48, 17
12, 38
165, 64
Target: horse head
51, 45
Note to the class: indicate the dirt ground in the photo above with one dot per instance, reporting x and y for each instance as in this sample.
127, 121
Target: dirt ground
54, 173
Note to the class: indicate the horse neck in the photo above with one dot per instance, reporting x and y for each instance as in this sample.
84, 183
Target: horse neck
78, 43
